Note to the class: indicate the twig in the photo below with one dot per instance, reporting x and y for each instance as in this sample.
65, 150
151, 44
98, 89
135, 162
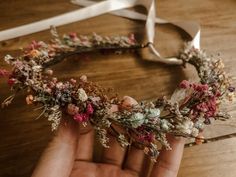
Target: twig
79, 50
223, 137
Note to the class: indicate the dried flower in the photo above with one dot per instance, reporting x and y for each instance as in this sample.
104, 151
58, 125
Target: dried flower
165, 125
11, 81
8, 59
73, 81
82, 95
81, 117
34, 45
148, 137
83, 78
73, 35
29, 99
136, 119
184, 84
89, 109
34, 53
122, 140
153, 113
54, 115
185, 127
72, 109
231, 89
49, 72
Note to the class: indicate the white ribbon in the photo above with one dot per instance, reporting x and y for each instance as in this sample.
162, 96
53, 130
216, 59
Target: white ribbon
94, 9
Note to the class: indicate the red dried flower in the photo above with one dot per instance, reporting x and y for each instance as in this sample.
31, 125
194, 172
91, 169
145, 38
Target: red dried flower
208, 108
11, 81
148, 137
184, 84
200, 87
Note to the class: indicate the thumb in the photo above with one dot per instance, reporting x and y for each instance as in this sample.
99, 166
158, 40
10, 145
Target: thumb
58, 158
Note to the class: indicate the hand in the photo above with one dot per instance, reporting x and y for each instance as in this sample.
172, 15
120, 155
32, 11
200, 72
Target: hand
70, 155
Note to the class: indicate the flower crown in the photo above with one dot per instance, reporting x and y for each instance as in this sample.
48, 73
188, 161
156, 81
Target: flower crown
192, 105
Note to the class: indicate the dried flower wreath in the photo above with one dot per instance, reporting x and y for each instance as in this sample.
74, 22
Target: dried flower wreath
192, 105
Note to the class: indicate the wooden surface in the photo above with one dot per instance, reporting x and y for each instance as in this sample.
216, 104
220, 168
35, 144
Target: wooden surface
22, 139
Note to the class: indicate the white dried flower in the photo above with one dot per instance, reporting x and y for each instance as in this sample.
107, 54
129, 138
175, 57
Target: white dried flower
54, 116
195, 132
185, 127
122, 140
153, 112
165, 125
137, 119
59, 85
82, 95
8, 59
37, 68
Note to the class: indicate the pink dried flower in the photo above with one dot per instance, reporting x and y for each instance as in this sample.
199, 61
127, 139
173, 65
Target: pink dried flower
202, 107
132, 39
49, 90
34, 45
73, 81
81, 117
72, 109
113, 108
184, 84
89, 109
73, 35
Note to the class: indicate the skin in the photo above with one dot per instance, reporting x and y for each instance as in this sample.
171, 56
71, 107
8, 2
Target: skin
70, 153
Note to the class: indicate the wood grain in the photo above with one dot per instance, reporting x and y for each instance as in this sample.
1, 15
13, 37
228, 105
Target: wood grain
22, 138
216, 159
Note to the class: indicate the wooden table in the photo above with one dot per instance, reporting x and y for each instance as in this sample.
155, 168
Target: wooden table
22, 139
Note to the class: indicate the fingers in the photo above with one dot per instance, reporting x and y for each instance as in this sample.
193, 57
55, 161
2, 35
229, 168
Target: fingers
115, 154
85, 144
168, 162
60, 153
134, 161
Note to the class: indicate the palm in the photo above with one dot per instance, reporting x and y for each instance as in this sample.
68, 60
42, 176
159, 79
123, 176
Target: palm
88, 169
111, 162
